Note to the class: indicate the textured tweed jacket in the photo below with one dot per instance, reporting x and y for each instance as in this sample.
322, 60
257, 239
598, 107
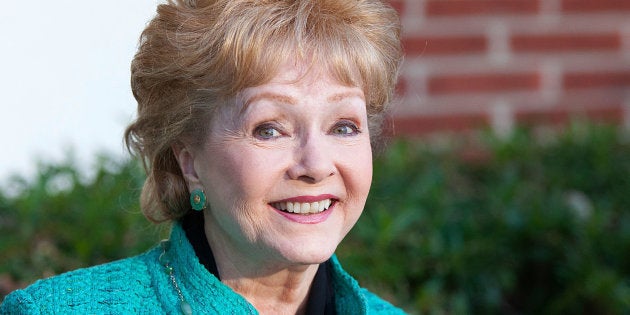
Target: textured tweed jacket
140, 285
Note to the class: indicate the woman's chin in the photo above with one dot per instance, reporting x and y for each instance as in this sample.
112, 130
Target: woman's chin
310, 244
307, 255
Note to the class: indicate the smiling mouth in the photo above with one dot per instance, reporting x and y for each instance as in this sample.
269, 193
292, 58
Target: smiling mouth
304, 207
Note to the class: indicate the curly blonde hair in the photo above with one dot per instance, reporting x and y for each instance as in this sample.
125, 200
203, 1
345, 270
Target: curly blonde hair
195, 55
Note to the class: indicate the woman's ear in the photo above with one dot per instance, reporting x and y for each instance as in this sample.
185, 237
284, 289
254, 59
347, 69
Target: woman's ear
186, 160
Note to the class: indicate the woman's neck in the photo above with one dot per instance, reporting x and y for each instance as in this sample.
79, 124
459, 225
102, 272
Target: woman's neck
271, 286
282, 292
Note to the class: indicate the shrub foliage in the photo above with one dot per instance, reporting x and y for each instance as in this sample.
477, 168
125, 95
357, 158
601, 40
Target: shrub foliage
62, 220
535, 227
532, 227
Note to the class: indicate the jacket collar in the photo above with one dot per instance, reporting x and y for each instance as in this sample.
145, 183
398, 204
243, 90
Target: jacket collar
204, 291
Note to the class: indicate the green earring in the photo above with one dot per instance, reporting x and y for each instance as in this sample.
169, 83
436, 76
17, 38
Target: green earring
198, 199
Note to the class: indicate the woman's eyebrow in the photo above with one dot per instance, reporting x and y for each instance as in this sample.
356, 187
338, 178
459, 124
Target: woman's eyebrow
289, 100
276, 97
338, 97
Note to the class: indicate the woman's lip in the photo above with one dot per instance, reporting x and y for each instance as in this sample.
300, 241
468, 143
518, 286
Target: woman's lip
308, 198
311, 218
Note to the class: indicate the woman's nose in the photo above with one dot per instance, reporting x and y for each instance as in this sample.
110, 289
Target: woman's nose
313, 160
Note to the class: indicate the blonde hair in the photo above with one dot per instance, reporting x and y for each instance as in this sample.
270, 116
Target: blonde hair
195, 55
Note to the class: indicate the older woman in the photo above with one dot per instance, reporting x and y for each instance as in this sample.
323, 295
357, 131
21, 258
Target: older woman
255, 124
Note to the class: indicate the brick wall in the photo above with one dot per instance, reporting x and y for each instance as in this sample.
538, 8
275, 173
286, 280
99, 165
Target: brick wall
499, 63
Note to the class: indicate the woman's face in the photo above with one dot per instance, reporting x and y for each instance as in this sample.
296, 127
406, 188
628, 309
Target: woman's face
286, 171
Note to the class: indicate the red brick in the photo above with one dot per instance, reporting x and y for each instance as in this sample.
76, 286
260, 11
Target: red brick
445, 45
443, 84
612, 114
597, 80
565, 42
586, 6
609, 113
425, 124
486, 7
401, 86
398, 5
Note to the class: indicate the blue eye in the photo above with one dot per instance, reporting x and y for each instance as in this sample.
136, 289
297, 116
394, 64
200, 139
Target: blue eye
345, 128
266, 132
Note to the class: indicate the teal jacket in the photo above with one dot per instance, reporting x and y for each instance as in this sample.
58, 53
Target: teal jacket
140, 285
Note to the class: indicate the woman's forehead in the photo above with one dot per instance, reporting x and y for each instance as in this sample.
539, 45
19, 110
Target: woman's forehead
294, 79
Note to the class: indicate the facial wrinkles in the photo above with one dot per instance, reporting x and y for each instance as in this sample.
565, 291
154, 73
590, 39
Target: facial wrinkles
251, 228
237, 206
223, 124
257, 228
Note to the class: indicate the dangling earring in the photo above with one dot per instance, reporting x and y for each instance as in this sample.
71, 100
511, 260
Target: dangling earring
198, 200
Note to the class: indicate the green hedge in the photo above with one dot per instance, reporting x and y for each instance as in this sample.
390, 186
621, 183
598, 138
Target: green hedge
532, 225
62, 220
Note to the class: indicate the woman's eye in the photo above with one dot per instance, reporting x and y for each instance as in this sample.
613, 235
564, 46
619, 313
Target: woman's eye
266, 132
345, 129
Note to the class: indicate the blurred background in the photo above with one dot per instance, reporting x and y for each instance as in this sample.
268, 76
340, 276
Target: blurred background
504, 189
65, 79
503, 63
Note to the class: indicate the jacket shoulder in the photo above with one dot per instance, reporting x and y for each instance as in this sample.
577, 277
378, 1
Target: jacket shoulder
351, 298
18, 302
376, 305
123, 285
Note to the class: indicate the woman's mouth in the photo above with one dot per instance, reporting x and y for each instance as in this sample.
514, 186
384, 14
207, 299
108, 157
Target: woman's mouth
303, 207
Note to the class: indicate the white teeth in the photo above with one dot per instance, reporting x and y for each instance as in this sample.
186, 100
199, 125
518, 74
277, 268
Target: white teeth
298, 207
325, 204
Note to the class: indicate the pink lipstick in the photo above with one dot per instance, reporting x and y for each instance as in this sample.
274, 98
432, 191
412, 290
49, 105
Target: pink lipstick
306, 209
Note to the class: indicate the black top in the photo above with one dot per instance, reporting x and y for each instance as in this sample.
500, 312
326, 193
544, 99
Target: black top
321, 299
